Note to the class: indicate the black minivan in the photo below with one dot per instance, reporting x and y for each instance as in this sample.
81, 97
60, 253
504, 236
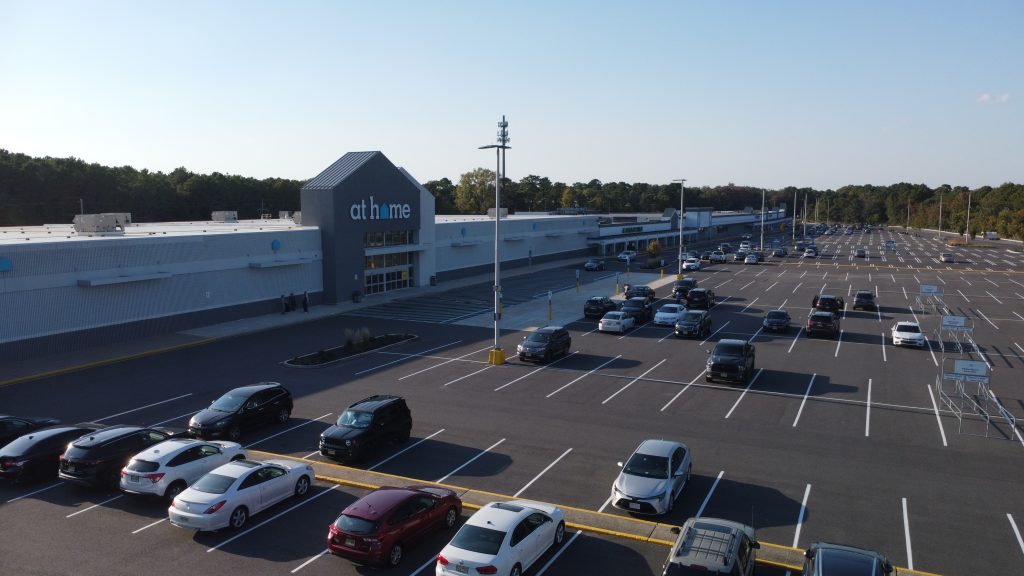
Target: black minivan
96, 459
544, 344
366, 426
243, 409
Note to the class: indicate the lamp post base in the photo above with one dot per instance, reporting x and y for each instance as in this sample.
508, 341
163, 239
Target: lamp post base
496, 356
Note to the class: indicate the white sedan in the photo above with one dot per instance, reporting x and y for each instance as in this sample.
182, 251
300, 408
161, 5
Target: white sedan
907, 333
616, 322
171, 466
503, 538
691, 264
227, 496
669, 314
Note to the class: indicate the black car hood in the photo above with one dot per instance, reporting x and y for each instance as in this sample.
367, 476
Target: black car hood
209, 417
342, 433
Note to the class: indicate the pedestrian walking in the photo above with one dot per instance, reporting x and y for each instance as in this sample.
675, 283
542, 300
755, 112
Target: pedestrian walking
291, 301
284, 304
305, 301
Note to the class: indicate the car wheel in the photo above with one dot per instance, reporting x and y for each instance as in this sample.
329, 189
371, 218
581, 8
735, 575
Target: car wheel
559, 533
450, 517
516, 571
283, 415
708, 379
238, 517
237, 457
234, 433
174, 489
395, 554
547, 357
302, 486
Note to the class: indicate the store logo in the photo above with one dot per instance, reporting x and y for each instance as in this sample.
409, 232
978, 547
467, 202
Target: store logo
383, 211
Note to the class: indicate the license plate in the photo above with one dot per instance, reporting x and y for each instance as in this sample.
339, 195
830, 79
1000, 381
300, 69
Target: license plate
634, 506
350, 542
462, 569
329, 451
133, 478
723, 374
181, 519
70, 468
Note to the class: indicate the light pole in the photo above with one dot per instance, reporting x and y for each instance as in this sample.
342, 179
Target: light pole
940, 215
804, 214
967, 238
828, 209
497, 355
760, 245
794, 217
682, 221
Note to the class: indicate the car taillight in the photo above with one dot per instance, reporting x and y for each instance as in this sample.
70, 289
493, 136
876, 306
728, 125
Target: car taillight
487, 570
442, 560
215, 507
154, 478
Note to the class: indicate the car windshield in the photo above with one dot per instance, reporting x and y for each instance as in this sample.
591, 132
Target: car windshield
478, 539
595, 301
613, 315
632, 304
729, 349
908, 328
647, 466
691, 317
538, 337
213, 483
228, 403
776, 315
865, 295
353, 419
670, 309
354, 525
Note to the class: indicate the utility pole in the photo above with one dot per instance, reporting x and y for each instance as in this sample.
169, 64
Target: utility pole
760, 245
908, 215
967, 238
816, 209
940, 215
804, 213
682, 222
497, 355
794, 217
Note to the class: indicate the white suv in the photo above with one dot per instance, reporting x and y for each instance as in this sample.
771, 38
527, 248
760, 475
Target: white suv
627, 255
169, 467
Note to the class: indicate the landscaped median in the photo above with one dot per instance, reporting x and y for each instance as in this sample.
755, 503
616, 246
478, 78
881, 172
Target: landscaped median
783, 557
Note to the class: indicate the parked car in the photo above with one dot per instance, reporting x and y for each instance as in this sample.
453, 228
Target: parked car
597, 306
366, 426
705, 256
823, 322
825, 559
231, 493
810, 252
545, 343
652, 478
691, 264
378, 527
503, 538
907, 334
169, 467
717, 256
779, 253
639, 308
36, 455
730, 361
828, 303
725, 247
947, 257
241, 410
694, 323
669, 314
12, 427
627, 256
640, 291
593, 265
96, 459
860, 253
682, 287
864, 300
750, 259
712, 546
616, 322
739, 256
700, 298
776, 321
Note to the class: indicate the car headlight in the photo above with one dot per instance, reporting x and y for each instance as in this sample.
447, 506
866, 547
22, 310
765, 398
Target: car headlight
348, 442
222, 423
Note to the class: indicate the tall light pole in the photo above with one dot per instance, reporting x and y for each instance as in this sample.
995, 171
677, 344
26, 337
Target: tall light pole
967, 238
828, 209
804, 220
908, 215
794, 216
940, 214
761, 243
682, 221
497, 355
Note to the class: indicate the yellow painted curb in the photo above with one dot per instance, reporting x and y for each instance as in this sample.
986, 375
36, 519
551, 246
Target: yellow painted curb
798, 569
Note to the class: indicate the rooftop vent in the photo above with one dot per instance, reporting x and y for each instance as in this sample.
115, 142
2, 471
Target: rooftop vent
107, 223
224, 216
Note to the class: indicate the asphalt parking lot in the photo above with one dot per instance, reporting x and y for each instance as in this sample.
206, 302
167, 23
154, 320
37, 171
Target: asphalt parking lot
841, 440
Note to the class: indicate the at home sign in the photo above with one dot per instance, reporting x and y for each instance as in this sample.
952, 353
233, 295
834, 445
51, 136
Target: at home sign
382, 211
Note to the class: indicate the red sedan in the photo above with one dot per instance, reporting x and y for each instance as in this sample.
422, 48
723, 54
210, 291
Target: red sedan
376, 528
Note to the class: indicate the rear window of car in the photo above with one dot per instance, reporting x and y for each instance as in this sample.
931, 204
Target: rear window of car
613, 315
143, 466
478, 539
354, 525
214, 484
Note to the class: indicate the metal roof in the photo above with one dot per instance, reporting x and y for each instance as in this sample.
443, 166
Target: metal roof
342, 168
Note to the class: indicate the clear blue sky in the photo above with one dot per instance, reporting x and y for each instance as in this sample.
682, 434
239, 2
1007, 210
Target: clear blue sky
762, 93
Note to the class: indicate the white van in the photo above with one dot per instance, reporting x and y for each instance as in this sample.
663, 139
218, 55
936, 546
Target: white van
991, 236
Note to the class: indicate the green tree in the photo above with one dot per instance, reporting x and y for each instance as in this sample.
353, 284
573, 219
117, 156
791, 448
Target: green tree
475, 192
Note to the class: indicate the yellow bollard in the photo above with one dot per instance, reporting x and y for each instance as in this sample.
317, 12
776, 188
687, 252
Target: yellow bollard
496, 356
662, 272
549, 311
616, 289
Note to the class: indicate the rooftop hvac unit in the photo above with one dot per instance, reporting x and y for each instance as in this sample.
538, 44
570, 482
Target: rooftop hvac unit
107, 223
504, 212
297, 218
224, 216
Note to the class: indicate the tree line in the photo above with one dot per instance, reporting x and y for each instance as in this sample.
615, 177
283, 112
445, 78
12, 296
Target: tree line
52, 190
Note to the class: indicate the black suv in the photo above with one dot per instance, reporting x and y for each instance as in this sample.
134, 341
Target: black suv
864, 300
730, 361
640, 291
365, 426
544, 344
682, 287
694, 323
243, 409
700, 298
828, 303
639, 308
824, 322
96, 459
825, 559
597, 306
36, 455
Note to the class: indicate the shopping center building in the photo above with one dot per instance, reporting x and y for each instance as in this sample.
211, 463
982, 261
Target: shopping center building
366, 227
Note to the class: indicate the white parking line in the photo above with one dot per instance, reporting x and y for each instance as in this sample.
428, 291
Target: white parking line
468, 462
937, 417
189, 413
795, 338
770, 287
583, 376
325, 551
906, 535
1016, 532
535, 478
914, 314
704, 504
288, 430
797, 288
404, 450
840, 341
884, 359
150, 525
537, 370
605, 505
987, 320
804, 401
142, 407
559, 553
313, 453
94, 506
470, 374
52, 486
744, 393
783, 305
749, 305
964, 296
272, 518
715, 332
755, 334
445, 362
904, 292
723, 301
932, 352
632, 382
723, 283
747, 284
800, 519
680, 393
991, 282
915, 279
940, 277
407, 357
968, 282
867, 418
1018, 315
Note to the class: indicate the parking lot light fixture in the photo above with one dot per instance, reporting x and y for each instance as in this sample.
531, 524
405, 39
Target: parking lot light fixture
497, 355
682, 221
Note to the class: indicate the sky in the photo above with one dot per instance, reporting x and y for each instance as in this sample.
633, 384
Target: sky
759, 93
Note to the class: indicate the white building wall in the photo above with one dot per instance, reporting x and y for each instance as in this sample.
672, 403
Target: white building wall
468, 243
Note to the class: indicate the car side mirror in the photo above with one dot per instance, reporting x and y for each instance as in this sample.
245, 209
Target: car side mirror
619, 464
708, 352
755, 544
887, 568
808, 553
